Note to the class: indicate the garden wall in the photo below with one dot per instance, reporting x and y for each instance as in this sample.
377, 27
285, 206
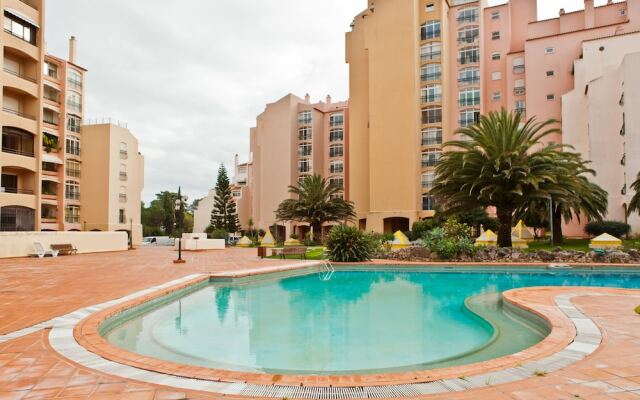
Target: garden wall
20, 244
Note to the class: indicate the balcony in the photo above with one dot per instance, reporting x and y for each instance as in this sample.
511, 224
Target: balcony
431, 99
469, 81
18, 113
467, 19
468, 39
72, 195
17, 218
123, 198
123, 176
521, 110
519, 91
469, 60
18, 181
17, 141
518, 69
49, 213
430, 77
124, 154
49, 189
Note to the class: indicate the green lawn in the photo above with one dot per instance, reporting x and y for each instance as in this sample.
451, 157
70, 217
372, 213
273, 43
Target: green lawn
313, 253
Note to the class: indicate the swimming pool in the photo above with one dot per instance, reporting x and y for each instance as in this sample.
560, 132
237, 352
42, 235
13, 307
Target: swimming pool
356, 322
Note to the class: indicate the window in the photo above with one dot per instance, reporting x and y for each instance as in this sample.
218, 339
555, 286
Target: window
469, 97
336, 135
73, 169
551, 97
432, 115
304, 133
73, 123
336, 150
72, 214
72, 145
430, 157
301, 178
495, 56
469, 117
122, 216
468, 15
495, 15
304, 165
431, 93
495, 96
124, 153
337, 182
551, 73
74, 79
430, 51
519, 89
496, 76
470, 55
50, 117
51, 70
336, 119
304, 149
336, 167
236, 194
427, 180
495, 35
71, 190
469, 76
123, 172
430, 7
521, 107
431, 73
518, 65
305, 118
428, 204
431, 136
430, 30
123, 194
19, 28
74, 102
549, 50
470, 34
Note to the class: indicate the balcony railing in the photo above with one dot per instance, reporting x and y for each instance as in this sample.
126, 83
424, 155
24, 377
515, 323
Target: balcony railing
521, 110
72, 196
10, 32
470, 101
18, 113
518, 69
51, 121
432, 141
124, 154
469, 81
429, 163
431, 56
17, 151
431, 99
467, 19
468, 39
519, 91
55, 99
466, 122
20, 75
73, 84
469, 60
123, 176
73, 173
13, 190
430, 77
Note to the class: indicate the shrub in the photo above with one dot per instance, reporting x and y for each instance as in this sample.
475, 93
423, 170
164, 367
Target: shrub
293, 236
219, 234
446, 246
348, 244
615, 228
456, 230
421, 228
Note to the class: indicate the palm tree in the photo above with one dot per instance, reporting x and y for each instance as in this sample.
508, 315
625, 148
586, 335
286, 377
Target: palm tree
318, 201
634, 204
503, 163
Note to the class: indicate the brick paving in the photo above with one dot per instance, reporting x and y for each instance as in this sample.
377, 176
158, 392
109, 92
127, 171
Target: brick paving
35, 290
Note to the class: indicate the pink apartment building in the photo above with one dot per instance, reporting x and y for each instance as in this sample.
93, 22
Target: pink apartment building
421, 69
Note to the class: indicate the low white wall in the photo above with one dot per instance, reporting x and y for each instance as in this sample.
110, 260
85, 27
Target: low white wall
204, 244
20, 244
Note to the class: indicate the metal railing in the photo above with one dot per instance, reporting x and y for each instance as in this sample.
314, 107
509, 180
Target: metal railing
469, 60
73, 173
469, 39
519, 91
518, 69
50, 122
469, 81
467, 19
17, 151
430, 77
55, 99
72, 196
431, 99
20, 75
432, 141
12, 190
431, 56
18, 113
521, 110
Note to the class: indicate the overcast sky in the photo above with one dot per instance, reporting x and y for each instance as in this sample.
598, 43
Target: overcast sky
190, 77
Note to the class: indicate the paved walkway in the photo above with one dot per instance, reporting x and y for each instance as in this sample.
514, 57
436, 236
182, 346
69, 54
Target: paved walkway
36, 290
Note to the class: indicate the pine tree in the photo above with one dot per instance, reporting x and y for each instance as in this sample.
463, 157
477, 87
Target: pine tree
224, 215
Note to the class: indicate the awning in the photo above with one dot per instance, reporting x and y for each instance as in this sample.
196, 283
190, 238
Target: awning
20, 15
50, 178
51, 159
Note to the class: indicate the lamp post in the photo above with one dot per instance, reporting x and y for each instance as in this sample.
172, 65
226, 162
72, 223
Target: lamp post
179, 203
130, 233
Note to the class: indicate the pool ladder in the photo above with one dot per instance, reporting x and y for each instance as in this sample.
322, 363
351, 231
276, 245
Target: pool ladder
328, 271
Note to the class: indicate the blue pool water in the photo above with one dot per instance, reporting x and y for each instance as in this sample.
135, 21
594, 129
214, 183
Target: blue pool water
356, 322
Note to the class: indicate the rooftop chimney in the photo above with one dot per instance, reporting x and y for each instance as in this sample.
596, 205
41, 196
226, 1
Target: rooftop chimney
72, 49
328, 99
589, 14
562, 12
307, 99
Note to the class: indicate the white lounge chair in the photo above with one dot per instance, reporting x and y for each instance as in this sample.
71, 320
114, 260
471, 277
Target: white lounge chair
41, 252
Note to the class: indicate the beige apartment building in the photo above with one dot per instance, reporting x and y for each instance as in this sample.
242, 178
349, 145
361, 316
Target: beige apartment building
113, 179
421, 69
293, 138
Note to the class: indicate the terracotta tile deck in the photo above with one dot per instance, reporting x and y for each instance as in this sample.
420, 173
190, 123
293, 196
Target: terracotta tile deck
35, 290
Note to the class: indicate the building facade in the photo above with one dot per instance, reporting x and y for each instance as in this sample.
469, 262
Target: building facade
293, 138
422, 69
113, 179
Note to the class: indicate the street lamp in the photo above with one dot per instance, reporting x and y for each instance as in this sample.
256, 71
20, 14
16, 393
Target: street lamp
179, 202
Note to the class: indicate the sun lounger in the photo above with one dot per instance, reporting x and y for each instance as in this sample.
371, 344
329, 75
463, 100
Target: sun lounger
40, 252
66, 249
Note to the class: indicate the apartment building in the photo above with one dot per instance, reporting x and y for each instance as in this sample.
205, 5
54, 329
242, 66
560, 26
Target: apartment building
113, 179
21, 80
293, 138
422, 69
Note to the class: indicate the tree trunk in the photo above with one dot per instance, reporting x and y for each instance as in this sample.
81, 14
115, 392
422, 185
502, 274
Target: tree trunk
505, 219
317, 232
558, 238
